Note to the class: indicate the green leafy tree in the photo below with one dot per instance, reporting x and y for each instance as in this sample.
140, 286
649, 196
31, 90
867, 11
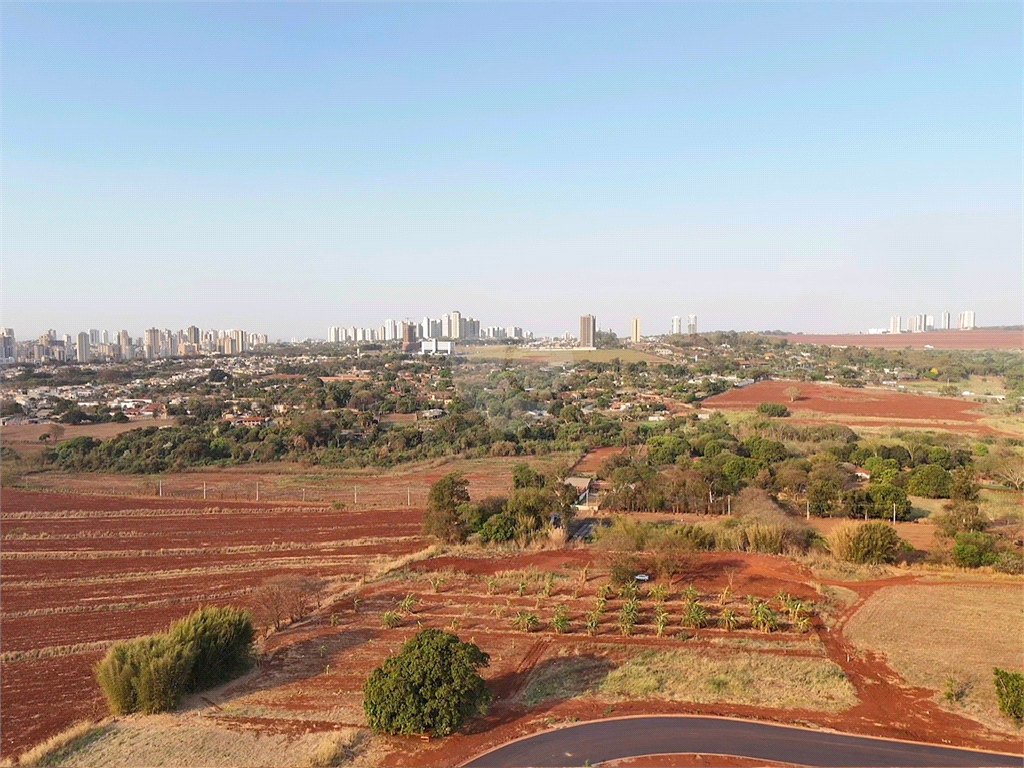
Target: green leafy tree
523, 476
430, 687
964, 485
442, 518
930, 481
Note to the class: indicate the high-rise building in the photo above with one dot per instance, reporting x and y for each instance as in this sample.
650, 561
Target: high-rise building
333, 334
635, 331
193, 335
8, 346
945, 321
677, 324
895, 324
152, 343
965, 320
929, 322
82, 350
456, 331
691, 325
588, 331
94, 336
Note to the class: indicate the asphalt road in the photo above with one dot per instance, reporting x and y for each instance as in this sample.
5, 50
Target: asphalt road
615, 739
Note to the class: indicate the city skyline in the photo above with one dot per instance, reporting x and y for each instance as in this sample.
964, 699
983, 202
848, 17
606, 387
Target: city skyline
279, 165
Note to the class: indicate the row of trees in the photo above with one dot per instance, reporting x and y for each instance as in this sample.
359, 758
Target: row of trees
535, 504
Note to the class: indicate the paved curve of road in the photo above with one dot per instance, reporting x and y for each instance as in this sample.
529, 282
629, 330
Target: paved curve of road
627, 737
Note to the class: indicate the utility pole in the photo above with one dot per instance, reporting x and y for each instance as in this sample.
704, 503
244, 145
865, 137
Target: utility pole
729, 501
204, 490
303, 494
408, 497
257, 490
808, 509
160, 487
355, 494
894, 513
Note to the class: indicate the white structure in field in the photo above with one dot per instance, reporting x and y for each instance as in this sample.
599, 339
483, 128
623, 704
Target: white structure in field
691, 325
965, 320
635, 333
677, 324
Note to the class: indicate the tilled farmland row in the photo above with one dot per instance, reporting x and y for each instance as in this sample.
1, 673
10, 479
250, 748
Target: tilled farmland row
81, 572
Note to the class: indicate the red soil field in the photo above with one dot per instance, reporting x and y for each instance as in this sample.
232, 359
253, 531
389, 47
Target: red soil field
886, 406
89, 569
977, 339
318, 667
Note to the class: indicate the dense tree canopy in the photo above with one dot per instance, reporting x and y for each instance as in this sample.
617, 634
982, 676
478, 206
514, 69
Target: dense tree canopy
430, 687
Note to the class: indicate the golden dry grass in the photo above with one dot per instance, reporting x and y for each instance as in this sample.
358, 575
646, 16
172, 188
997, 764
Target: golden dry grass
60, 745
932, 633
758, 679
197, 742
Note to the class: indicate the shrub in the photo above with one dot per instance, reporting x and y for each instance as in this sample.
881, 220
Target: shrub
865, 543
500, 528
1010, 690
222, 640
773, 409
974, 549
429, 687
150, 674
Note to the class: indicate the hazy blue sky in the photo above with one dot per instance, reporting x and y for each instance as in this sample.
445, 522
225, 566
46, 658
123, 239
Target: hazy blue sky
285, 167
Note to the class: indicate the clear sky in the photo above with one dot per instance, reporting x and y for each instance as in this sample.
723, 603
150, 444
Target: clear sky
282, 167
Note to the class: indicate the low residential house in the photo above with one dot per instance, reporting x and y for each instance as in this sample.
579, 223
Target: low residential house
583, 486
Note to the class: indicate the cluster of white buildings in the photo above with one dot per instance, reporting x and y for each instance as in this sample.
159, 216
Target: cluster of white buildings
677, 325
452, 326
102, 346
965, 321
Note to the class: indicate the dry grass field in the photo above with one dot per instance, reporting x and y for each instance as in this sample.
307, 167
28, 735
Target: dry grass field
936, 633
24, 438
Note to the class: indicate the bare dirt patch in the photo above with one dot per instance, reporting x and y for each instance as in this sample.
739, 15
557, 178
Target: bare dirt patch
977, 339
870, 406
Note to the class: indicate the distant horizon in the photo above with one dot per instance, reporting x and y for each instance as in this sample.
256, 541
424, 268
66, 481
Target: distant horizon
623, 336
285, 167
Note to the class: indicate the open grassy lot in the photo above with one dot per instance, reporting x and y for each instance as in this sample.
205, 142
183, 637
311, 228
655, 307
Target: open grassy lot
936, 633
556, 356
759, 679
170, 740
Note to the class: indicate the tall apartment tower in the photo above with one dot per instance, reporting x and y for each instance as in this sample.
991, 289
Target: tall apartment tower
965, 320
635, 331
8, 346
677, 324
895, 324
152, 343
588, 331
82, 351
456, 325
691, 325
945, 321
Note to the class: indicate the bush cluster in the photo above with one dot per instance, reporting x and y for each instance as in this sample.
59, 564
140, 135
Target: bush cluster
865, 543
150, 674
1010, 690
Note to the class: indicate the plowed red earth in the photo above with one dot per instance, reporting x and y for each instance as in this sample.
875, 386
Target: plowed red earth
905, 408
318, 668
93, 569
976, 339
